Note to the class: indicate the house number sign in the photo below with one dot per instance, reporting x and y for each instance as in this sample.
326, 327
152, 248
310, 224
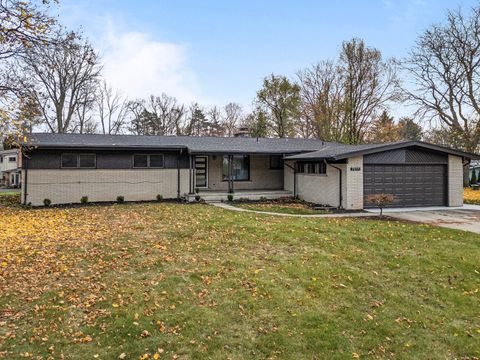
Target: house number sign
356, 168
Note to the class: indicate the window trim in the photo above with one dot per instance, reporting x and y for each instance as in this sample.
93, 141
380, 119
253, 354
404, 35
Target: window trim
157, 167
281, 162
319, 170
69, 167
77, 157
87, 167
148, 161
249, 169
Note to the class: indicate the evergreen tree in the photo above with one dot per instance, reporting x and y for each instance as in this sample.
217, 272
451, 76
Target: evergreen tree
409, 130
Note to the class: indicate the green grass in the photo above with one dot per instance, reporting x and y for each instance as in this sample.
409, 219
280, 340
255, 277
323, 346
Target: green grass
210, 283
293, 208
10, 199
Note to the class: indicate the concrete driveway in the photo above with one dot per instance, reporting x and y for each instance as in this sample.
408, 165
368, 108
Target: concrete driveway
462, 218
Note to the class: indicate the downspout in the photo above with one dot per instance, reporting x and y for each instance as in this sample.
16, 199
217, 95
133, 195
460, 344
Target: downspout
178, 174
294, 179
340, 181
25, 181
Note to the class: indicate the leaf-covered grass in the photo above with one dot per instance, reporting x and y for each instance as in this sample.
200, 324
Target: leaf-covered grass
283, 208
195, 282
9, 199
471, 196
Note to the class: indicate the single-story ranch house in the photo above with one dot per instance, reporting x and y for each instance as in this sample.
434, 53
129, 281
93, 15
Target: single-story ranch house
65, 167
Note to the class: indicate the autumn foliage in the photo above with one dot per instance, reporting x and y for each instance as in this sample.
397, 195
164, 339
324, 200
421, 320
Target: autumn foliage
173, 281
471, 196
381, 200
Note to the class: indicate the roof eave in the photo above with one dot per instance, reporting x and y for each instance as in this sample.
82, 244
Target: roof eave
400, 145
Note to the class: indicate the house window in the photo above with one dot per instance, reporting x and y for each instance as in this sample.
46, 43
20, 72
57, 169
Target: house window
74, 161
86, 160
12, 158
148, 161
276, 162
69, 160
314, 168
156, 161
240, 167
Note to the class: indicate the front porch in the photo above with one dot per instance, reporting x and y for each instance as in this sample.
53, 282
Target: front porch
247, 176
219, 195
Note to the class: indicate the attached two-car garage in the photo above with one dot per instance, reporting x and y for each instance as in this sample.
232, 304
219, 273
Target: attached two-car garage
417, 173
412, 185
415, 177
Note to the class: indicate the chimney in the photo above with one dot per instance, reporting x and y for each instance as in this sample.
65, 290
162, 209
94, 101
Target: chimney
242, 132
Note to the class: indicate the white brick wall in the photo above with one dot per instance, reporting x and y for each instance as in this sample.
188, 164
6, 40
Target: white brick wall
68, 186
321, 189
455, 181
354, 184
288, 175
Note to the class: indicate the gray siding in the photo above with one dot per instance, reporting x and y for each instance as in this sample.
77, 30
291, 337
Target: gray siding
49, 159
406, 156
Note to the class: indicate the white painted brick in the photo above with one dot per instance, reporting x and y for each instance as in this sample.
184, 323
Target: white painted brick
321, 189
455, 181
354, 184
68, 186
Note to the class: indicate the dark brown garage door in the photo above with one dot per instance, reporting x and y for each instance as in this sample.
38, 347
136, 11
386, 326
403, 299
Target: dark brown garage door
412, 185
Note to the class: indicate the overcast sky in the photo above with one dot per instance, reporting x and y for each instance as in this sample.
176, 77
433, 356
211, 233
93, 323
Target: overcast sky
215, 52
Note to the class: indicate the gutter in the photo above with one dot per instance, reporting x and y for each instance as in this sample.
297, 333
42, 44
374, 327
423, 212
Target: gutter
340, 172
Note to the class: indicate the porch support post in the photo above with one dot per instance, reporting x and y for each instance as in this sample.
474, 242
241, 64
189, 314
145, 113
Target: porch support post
230, 174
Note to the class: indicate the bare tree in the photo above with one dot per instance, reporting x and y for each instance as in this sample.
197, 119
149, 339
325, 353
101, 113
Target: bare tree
321, 101
159, 115
214, 125
370, 84
232, 117
111, 109
445, 68
59, 76
23, 24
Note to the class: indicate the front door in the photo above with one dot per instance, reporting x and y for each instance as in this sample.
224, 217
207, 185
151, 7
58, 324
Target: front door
201, 172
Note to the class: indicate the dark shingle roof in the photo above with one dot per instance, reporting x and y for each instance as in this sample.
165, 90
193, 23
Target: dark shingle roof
192, 143
341, 151
306, 149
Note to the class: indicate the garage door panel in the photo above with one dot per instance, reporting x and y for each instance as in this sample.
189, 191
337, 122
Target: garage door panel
412, 185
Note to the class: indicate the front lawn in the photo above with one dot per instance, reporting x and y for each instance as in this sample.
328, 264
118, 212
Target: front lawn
194, 281
471, 196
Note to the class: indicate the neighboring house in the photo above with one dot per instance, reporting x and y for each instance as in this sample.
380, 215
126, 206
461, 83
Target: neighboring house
65, 167
474, 165
10, 175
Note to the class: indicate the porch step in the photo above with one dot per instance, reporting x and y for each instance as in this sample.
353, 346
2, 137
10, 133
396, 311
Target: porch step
216, 196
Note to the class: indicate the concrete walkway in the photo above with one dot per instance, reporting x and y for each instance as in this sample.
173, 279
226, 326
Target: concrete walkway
234, 208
